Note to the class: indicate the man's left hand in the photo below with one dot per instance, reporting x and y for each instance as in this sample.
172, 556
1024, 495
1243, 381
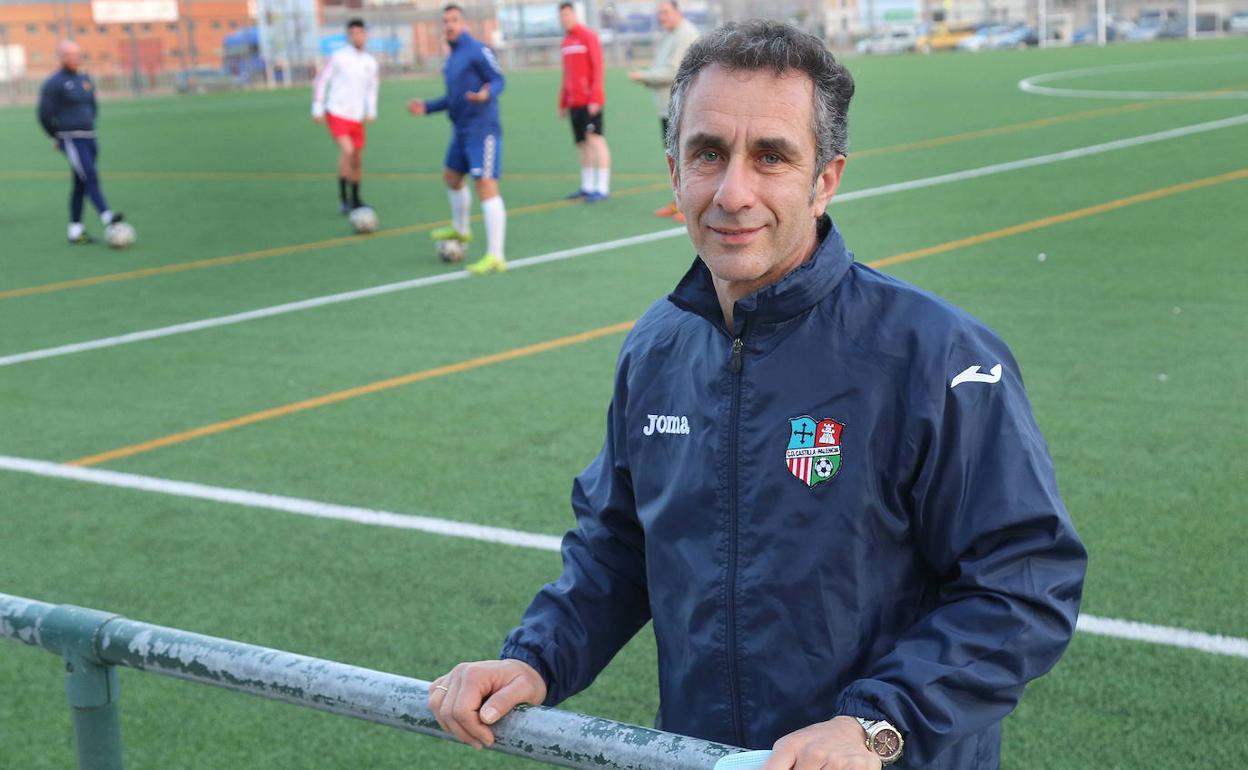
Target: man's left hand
594, 109
838, 744
480, 97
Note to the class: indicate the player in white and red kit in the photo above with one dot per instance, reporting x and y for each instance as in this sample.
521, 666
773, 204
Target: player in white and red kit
345, 98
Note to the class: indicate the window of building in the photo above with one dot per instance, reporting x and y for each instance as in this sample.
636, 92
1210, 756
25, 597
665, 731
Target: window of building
101, 30
82, 30
32, 28
216, 25
233, 25
147, 27
172, 27
54, 28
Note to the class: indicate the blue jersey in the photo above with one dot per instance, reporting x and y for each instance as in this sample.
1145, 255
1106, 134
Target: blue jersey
67, 104
843, 507
470, 66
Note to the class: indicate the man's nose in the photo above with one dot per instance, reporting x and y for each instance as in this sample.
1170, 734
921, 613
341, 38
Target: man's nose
736, 187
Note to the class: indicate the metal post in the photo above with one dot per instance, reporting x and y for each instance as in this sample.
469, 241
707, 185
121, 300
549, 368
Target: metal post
1102, 21
90, 684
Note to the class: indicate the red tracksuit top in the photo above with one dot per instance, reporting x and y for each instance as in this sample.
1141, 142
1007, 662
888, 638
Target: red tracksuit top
582, 69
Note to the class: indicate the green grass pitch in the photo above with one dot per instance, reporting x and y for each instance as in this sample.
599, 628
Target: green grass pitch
1131, 333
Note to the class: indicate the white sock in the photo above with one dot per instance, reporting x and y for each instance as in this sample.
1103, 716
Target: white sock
604, 181
587, 179
495, 225
106, 217
461, 204
75, 230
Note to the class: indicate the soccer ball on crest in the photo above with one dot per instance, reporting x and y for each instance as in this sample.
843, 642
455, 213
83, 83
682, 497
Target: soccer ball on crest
119, 235
450, 251
364, 220
823, 467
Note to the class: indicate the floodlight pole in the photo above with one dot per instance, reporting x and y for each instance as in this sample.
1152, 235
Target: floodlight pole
1042, 22
1191, 19
1101, 23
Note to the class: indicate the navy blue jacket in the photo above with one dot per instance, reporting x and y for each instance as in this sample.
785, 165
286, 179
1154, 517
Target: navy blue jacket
470, 66
67, 103
816, 521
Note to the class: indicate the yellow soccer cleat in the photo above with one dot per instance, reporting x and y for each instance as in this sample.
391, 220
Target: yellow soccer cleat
449, 233
488, 264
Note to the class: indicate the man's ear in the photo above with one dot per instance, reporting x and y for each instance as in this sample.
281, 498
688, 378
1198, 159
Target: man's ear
674, 173
826, 183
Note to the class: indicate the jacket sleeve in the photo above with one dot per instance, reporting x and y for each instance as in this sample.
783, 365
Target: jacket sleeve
989, 522
576, 624
48, 104
597, 85
321, 87
374, 86
436, 105
487, 67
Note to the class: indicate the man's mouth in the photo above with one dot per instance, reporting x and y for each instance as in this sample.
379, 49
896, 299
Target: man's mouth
735, 235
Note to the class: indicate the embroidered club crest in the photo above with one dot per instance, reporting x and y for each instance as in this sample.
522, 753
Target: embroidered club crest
814, 453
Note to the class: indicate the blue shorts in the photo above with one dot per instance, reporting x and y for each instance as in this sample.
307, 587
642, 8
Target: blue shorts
478, 155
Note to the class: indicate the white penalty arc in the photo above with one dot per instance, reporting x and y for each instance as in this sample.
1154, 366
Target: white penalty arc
1121, 629
1034, 84
595, 248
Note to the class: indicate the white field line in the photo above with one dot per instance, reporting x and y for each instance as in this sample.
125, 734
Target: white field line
594, 248
1121, 629
1032, 84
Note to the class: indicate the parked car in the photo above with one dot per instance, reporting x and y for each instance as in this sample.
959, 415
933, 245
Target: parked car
985, 37
204, 79
890, 41
942, 37
1238, 23
1087, 34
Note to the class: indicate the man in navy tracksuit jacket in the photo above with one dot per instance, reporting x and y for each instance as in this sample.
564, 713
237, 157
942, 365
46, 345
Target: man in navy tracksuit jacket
67, 113
824, 486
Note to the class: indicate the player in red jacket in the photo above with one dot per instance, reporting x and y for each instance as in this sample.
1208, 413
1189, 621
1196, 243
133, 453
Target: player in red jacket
582, 98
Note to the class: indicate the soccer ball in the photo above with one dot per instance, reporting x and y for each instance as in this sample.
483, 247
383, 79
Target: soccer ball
364, 220
823, 467
119, 235
450, 251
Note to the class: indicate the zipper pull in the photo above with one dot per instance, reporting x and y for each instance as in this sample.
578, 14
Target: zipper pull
737, 347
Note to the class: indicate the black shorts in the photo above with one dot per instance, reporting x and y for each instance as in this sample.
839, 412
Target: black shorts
583, 123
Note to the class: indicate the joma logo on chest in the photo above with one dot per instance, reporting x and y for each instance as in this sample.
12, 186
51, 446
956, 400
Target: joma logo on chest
666, 423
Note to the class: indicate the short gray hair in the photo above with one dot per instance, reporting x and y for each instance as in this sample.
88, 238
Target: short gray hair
769, 45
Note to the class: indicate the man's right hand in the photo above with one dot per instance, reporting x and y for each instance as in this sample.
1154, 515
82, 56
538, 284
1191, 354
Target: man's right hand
474, 696
318, 118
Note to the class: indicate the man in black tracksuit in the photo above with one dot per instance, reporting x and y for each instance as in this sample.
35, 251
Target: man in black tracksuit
67, 113
824, 486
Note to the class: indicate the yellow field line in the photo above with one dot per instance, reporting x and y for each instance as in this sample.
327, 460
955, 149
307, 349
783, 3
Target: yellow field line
277, 251
363, 390
1069, 117
562, 342
1058, 219
299, 176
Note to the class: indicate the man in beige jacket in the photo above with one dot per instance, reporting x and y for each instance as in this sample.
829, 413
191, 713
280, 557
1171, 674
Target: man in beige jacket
678, 34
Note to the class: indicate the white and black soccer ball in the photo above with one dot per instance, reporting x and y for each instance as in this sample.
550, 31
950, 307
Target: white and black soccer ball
450, 251
823, 467
364, 220
119, 235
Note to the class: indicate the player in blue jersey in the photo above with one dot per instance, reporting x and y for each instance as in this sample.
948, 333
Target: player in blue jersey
473, 85
67, 112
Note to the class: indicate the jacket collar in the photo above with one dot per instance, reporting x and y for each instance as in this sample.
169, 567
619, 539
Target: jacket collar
801, 289
464, 37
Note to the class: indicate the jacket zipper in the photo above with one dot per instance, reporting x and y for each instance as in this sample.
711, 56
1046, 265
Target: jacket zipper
738, 347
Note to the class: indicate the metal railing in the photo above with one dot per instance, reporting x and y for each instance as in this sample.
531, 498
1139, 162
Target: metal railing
94, 643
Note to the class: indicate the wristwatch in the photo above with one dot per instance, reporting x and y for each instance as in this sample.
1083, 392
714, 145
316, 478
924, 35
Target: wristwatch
883, 740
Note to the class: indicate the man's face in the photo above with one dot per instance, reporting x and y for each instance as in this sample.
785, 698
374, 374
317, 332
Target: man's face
567, 17
358, 37
669, 17
746, 174
452, 25
70, 56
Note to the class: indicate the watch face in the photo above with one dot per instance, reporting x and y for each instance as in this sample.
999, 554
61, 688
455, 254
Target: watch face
886, 743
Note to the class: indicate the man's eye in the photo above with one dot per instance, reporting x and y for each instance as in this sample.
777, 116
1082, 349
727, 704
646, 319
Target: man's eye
772, 159
710, 156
